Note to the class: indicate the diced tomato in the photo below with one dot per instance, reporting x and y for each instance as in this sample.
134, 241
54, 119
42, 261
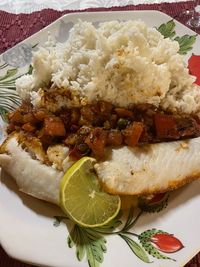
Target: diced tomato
54, 126
79, 151
165, 126
97, 141
132, 133
74, 153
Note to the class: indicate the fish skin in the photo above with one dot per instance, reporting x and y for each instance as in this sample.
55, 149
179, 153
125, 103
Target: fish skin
150, 169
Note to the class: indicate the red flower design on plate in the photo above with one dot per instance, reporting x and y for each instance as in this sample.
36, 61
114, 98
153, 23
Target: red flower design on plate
166, 242
157, 198
194, 67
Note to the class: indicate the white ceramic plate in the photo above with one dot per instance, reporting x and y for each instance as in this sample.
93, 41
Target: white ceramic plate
27, 230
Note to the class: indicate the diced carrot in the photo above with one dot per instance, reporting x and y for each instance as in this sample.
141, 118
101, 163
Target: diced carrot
28, 127
16, 117
97, 141
54, 126
114, 138
132, 133
40, 115
29, 118
75, 115
124, 113
165, 126
40, 133
11, 127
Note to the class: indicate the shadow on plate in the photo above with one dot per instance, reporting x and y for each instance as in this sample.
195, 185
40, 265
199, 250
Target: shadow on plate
177, 198
38, 206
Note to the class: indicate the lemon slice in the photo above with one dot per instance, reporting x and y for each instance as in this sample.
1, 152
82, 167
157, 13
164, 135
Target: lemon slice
82, 198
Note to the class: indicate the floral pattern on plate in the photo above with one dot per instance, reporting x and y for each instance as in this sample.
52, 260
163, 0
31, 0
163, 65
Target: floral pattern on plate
91, 242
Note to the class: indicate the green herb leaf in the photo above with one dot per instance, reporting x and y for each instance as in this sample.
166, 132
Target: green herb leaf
186, 43
136, 248
145, 240
9, 73
167, 29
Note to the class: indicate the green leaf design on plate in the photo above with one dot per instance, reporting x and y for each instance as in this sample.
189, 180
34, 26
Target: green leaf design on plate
3, 114
30, 70
9, 74
9, 99
131, 220
167, 29
136, 248
111, 226
88, 242
145, 240
186, 43
4, 65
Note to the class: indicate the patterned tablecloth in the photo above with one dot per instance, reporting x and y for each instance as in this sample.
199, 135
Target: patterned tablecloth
28, 6
14, 28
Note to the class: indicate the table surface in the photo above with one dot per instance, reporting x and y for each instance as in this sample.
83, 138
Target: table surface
28, 6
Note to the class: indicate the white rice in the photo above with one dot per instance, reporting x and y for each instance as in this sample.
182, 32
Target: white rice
120, 62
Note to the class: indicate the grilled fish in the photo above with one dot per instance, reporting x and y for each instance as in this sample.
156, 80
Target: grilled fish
150, 169
144, 170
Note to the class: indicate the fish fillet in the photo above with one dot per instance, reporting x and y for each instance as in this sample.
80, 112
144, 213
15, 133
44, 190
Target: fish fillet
151, 168
126, 171
31, 176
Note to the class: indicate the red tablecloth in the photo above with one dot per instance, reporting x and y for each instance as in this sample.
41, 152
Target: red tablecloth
15, 28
